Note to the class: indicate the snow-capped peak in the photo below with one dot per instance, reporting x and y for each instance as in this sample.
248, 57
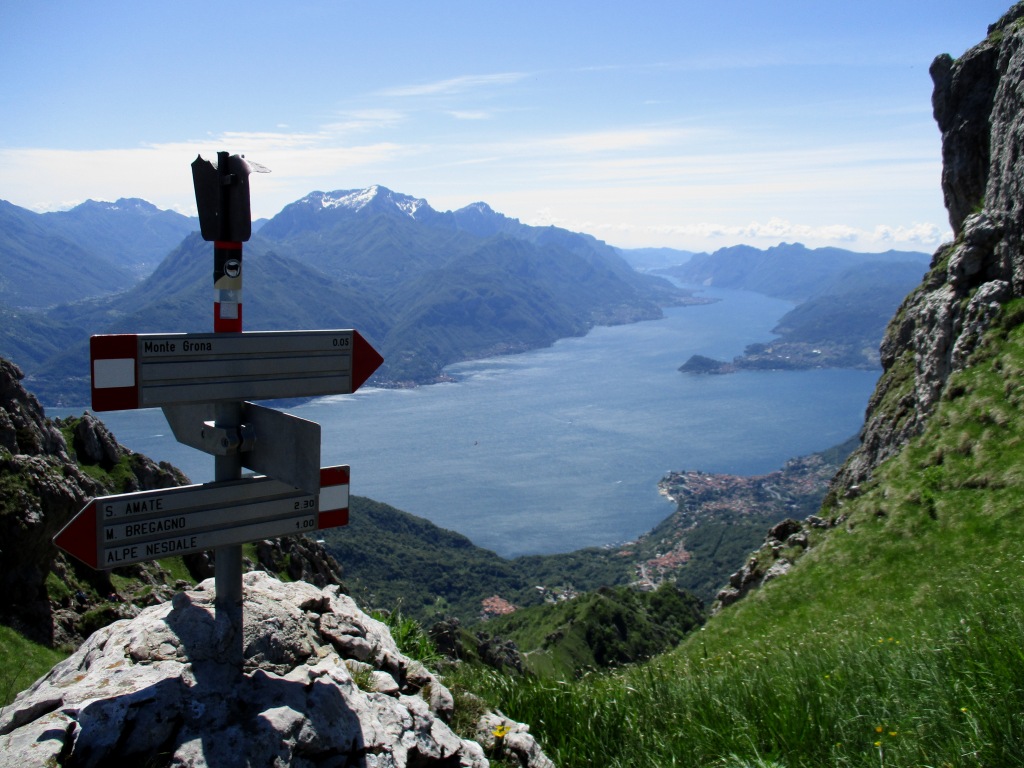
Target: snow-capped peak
357, 199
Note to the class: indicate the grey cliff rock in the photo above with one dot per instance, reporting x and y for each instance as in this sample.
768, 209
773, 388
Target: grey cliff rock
155, 686
978, 103
41, 489
785, 541
24, 428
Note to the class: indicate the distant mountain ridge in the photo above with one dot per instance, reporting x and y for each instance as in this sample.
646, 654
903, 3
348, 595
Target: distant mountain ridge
787, 271
462, 284
93, 249
427, 288
844, 301
41, 265
133, 233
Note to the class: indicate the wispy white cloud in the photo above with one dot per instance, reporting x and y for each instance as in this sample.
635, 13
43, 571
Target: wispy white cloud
362, 120
704, 235
684, 185
604, 141
468, 114
776, 230
455, 84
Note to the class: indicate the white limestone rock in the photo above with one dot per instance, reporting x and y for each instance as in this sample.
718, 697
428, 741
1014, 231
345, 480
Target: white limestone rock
158, 685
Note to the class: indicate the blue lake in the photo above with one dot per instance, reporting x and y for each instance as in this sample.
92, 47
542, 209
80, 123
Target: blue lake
562, 448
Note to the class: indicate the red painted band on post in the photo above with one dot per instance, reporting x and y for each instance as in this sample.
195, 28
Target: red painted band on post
226, 324
334, 476
227, 245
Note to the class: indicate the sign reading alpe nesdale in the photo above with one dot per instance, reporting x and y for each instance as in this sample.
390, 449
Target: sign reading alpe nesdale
147, 525
196, 376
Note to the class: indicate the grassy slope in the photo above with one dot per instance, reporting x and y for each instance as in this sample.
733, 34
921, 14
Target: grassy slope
24, 663
896, 641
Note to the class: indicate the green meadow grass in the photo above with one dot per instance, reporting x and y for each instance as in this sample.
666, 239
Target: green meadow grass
22, 662
897, 641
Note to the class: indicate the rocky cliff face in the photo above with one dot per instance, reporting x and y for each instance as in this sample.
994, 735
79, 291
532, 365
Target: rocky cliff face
978, 103
41, 488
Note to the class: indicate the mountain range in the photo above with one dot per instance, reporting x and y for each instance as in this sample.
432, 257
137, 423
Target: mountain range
789, 270
425, 288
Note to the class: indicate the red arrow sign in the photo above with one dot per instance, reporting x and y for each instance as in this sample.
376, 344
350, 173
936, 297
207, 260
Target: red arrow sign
145, 371
134, 527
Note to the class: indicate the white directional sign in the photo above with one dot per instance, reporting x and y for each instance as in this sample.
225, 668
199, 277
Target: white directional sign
143, 371
134, 527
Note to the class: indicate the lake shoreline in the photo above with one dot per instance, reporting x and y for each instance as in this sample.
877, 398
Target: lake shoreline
562, 448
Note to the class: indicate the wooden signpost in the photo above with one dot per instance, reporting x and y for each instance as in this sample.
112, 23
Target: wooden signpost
203, 382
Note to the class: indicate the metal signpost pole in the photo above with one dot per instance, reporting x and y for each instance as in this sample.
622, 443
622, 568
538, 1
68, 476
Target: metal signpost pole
228, 559
227, 198
227, 318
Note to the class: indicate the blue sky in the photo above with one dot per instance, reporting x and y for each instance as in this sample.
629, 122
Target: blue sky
683, 124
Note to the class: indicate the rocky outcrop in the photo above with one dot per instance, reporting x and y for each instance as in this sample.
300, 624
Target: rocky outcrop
301, 558
24, 429
323, 684
42, 487
783, 546
978, 103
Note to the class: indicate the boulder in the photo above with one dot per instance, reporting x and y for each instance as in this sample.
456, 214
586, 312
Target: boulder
158, 685
784, 529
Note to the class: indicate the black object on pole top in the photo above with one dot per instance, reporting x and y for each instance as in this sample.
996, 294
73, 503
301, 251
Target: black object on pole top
222, 197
